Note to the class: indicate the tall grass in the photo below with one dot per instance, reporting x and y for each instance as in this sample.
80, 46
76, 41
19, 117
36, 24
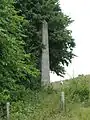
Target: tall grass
45, 104
78, 89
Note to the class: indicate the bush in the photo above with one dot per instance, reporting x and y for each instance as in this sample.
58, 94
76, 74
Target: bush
36, 105
77, 90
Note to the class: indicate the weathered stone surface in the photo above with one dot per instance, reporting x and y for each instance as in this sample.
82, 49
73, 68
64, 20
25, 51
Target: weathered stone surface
45, 75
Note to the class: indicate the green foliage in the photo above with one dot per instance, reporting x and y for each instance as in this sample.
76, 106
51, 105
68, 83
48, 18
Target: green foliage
15, 64
78, 90
20, 53
50, 89
45, 104
37, 105
61, 42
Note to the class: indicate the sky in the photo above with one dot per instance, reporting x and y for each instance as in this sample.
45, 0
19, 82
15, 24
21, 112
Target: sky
78, 10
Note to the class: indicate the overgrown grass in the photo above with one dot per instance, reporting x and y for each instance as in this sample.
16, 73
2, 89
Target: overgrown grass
45, 104
36, 106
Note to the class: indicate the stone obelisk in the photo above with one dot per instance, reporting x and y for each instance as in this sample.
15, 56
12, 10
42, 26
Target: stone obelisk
45, 71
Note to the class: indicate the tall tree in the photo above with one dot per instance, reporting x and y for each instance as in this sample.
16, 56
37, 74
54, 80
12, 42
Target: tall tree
61, 42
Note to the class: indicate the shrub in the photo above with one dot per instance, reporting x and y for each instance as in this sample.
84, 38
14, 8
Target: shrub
77, 90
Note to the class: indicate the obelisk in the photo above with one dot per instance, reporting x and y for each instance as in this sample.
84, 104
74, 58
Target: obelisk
45, 70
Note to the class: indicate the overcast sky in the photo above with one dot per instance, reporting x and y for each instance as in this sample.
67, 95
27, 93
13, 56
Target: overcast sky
79, 11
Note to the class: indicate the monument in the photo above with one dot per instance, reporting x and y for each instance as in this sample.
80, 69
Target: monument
45, 70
